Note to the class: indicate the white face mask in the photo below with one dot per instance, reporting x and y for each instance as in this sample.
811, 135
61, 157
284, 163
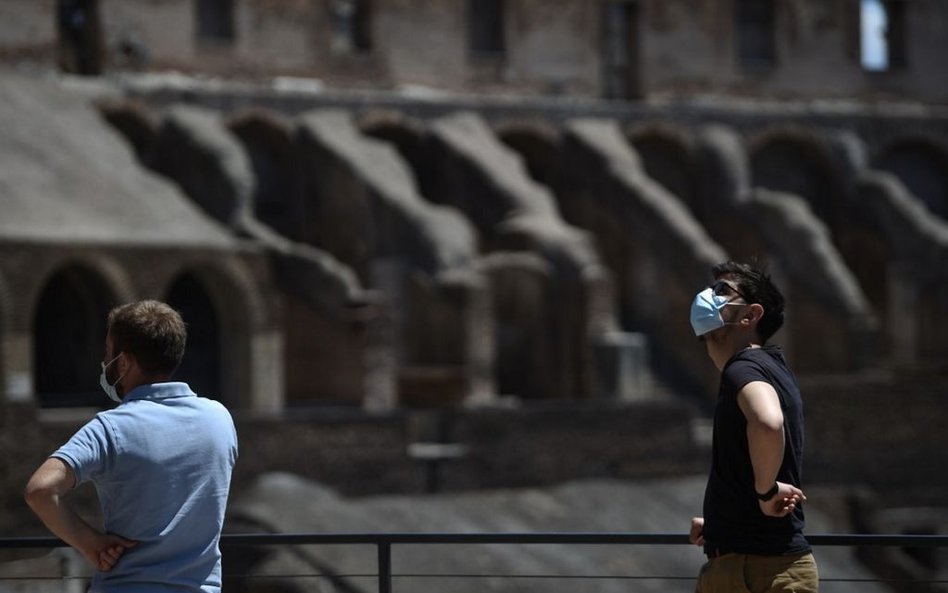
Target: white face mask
108, 388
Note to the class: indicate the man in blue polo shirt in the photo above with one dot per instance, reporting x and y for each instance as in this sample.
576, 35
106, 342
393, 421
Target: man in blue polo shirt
161, 463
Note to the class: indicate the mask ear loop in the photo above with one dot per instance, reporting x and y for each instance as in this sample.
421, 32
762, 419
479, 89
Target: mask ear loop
122, 376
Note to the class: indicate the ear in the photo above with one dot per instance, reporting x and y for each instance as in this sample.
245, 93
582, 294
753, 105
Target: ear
126, 362
754, 314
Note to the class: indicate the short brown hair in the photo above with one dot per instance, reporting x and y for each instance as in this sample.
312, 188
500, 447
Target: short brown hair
150, 330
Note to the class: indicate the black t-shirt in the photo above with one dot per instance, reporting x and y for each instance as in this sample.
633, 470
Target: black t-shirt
733, 521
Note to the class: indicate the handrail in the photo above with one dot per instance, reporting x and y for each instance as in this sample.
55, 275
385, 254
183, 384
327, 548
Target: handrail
257, 539
385, 541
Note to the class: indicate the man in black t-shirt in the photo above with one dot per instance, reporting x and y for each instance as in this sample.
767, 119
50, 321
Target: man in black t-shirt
752, 528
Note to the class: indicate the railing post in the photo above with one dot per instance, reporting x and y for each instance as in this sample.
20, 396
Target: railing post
385, 567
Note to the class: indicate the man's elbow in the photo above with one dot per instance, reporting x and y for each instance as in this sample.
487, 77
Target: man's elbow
36, 493
768, 427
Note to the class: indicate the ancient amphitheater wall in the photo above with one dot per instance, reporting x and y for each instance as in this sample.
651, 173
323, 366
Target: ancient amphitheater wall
234, 349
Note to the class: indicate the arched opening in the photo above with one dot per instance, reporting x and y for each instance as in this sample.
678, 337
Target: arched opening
268, 140
798, 166
539, 145
202, 363
666, 159
923, 168
69, 339
80, 48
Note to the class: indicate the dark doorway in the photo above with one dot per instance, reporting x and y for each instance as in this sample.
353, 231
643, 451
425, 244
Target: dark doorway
620, 50
201, 366
215, 20
69, 339
79, 31
351, 26
485, 28
756, 33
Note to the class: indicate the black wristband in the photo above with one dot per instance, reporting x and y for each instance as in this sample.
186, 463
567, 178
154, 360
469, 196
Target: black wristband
769, 494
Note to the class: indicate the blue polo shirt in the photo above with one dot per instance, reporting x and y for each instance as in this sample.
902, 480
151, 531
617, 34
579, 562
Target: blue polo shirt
161, 464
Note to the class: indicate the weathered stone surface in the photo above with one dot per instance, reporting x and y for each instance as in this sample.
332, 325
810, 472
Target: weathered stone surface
822, 288
267, 137
803, 246
488, 181
364, 207
54, 145
538, 142
195, 149
650, 211
137, 123
285, 503
909, 227
658, 252
365, 203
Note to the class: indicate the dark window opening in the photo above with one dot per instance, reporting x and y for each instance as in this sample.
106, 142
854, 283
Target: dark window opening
201, 366
80, 49
69, 340
351, 26
215, 20
882, 35
756, 38
620, 48
485, 27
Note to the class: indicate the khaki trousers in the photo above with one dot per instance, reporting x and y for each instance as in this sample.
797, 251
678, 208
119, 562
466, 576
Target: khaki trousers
745, 573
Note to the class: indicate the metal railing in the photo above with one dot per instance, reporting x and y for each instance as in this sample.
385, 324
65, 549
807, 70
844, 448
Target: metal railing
384, 542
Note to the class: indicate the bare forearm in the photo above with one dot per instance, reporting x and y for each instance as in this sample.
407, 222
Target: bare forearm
766, 452
61, 520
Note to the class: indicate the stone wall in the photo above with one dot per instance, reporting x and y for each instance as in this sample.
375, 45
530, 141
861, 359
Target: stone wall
550, 47
881, 430
360, 454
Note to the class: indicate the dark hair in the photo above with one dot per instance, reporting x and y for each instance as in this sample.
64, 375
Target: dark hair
150, 330
757, 287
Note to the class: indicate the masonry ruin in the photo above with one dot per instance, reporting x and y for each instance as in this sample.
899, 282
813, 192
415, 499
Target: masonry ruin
405, 223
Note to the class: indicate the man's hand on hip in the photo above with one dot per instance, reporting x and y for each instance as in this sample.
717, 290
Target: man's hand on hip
105, 550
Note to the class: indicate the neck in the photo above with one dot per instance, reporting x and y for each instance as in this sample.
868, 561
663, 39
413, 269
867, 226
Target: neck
723, 349
137, 379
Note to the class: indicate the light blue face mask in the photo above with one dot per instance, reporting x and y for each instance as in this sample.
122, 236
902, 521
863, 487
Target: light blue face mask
706, 311
109, 388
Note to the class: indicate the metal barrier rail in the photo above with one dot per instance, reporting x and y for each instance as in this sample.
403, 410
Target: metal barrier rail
384, 542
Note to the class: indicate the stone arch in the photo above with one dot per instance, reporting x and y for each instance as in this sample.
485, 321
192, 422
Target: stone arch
667, 157
410, 139
223, 309
267, 138
538, 142
797, 161
201, 366
69, 326
921, 164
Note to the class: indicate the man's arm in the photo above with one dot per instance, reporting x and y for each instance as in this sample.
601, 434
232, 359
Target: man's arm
765, 440
44, 493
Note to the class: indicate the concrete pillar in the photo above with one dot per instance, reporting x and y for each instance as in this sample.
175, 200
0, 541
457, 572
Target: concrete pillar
902, 324
267, 374
17, 351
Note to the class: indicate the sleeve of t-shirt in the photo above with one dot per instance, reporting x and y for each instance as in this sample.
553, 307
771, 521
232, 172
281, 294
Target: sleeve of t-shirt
88, 452
741, 372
